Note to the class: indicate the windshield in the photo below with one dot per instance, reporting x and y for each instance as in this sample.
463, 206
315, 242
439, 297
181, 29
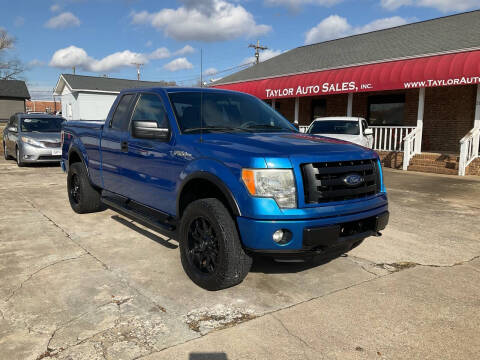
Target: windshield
226, 112
41, 124
344, 127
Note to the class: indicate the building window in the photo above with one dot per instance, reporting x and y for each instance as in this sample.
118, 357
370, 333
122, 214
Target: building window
319, 108
386, 110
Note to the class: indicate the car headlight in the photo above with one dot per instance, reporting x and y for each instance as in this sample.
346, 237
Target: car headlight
278, 184
30, 141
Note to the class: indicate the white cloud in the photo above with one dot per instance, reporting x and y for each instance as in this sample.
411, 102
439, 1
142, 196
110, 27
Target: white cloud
296, 4
334, 27
63, 20
78, 57
118, 60
55, 8
160, 53
442, 5
19, 21
264, 55
178, 64
210, 71
206, 20
187, 49
35, 62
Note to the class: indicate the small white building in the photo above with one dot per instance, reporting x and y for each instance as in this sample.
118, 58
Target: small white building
90, 97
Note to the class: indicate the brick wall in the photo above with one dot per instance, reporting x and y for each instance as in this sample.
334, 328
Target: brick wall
449, 113
43, 106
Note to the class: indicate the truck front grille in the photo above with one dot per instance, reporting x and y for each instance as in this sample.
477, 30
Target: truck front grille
329, 181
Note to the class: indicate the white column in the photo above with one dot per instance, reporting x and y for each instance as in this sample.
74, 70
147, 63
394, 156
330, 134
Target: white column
476, 122
297, 109
273, 103
421, 108
350, 105
477, 108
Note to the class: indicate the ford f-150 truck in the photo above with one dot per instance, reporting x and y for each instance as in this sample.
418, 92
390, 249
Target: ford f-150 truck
227, 175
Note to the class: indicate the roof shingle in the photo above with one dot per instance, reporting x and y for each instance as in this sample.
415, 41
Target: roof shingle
447, 34
82, 82
14, 89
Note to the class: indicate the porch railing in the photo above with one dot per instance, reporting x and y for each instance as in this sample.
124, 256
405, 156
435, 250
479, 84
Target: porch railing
468, 149
410, 146
390, 138
303, 129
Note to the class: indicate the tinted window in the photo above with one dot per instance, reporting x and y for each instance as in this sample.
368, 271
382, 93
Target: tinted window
150, 108
226, 112
335, 127
41, 124
120, 117
386, 110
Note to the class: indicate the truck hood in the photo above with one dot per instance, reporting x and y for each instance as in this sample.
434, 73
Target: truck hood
274, 145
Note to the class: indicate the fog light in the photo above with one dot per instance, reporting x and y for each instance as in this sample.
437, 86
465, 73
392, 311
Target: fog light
282, 236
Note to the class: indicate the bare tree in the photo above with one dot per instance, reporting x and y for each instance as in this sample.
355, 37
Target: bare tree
9, 68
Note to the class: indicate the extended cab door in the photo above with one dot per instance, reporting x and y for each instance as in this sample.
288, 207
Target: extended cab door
152, 166
114, 146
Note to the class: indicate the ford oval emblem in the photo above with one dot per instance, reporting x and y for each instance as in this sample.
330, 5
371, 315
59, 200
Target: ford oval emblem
353, 179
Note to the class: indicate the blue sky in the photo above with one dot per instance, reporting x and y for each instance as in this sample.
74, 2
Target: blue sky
107, 36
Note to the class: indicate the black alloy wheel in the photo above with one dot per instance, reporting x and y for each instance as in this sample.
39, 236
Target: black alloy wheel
75, 189
202, 245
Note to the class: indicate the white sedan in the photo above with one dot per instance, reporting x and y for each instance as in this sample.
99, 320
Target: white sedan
353, 129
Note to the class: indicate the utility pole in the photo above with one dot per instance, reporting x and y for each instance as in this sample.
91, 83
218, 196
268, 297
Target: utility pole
257, 48
138, 65
73, 70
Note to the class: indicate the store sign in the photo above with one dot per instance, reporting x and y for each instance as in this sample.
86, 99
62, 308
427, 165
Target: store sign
325, 88
442, 70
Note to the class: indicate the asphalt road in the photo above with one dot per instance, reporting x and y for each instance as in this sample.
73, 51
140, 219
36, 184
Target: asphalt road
101, 286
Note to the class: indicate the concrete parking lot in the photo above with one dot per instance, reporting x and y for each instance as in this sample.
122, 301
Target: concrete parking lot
101, 286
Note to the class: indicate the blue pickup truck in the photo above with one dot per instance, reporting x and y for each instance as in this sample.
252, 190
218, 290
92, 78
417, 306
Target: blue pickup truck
227, 175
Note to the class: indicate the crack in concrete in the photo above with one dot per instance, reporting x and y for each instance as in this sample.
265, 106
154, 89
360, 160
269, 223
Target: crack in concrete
105, 266
278, 310
53, 351
39, 270
403, 265
353, 259
305, 344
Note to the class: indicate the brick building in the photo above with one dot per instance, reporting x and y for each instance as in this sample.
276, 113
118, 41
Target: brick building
43, 106
418, 85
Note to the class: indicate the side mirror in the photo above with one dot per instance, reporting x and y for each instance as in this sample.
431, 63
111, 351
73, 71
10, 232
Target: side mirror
12, 129
149, 130
368, 131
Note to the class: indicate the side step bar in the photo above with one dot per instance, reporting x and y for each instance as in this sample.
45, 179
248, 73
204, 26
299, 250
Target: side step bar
145, 215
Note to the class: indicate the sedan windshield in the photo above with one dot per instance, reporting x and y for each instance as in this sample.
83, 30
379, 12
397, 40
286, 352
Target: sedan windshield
225, 112
335, 127
52, 124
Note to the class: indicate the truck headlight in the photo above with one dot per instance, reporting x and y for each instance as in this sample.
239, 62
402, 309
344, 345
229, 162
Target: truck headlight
31, 141
278, 184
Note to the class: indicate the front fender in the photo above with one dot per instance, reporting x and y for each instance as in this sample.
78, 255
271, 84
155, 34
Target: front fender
219, 174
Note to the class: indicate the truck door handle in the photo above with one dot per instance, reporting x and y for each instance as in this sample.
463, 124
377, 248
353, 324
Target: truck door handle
124, 146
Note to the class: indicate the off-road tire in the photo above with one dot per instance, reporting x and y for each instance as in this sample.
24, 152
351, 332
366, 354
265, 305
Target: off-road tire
18, 155
233, 264
88, 199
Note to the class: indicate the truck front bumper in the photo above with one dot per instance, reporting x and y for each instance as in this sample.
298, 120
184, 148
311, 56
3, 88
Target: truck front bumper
312, 236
